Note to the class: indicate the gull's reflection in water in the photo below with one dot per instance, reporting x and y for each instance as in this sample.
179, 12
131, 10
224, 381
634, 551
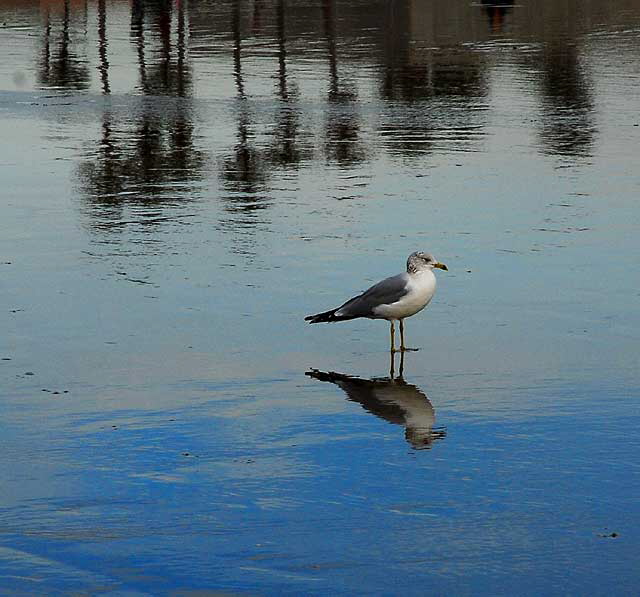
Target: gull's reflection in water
392, 399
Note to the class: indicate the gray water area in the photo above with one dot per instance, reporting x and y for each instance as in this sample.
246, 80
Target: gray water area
182, 182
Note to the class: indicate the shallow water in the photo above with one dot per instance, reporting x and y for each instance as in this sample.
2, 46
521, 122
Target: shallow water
183, 182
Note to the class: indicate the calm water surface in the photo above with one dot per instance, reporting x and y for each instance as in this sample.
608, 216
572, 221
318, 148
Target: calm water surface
182, 182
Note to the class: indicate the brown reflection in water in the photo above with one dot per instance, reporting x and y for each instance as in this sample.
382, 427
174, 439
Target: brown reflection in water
342, 127
567, 123
61, 64
497, 11
137, 34
434, 82
287, 149
561, 79
141, 156
245, 172
162, 70
391, 399
431, 77
421, 65
102, 46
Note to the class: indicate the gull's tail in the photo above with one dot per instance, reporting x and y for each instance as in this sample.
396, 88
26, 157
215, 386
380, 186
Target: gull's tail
327, 317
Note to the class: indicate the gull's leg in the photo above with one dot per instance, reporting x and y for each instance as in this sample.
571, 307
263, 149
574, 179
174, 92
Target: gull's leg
402, 346
393, 337
392, 369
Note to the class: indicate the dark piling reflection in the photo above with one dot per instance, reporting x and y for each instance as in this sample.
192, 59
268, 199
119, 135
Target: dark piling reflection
63, 62
146, 153
244, 172
392, 399
429, 92
102, 46
567, 123
162, 65
435, 85
287, 150
342, 125
497, 11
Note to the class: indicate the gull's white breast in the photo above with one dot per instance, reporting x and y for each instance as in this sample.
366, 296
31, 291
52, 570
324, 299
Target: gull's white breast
421, 287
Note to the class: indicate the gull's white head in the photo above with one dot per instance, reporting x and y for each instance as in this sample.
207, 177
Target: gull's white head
420, 261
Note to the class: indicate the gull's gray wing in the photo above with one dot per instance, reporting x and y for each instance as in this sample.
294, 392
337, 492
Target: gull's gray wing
385, 292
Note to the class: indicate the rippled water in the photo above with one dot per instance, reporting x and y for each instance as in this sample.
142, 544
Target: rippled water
184, 181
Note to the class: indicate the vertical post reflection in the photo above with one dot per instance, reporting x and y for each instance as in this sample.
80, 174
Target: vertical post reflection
64, 42
60, 65
182, 49
237, 48
285, 150
496, 11
45, 65
243, 173
282, 51
164, 28
102, 46
433, 78
567, 124
342, 128
137, 33
330, 34
147, 150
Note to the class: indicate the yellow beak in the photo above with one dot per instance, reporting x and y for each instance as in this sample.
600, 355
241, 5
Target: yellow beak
441, 266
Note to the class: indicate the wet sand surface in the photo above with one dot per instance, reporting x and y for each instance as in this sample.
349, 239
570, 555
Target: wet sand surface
182, 182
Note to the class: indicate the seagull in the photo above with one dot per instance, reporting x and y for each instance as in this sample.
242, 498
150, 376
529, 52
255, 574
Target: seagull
393, 299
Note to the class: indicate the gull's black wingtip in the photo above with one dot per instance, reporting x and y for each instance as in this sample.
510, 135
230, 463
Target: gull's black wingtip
325, 317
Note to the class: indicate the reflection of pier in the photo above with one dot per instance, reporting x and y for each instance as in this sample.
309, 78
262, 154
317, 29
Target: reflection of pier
342, 128
102, 46
289, 147
140, 158
63, 62
162, 66
244, 172
440, 86
497, 11
567, 124
431, 75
